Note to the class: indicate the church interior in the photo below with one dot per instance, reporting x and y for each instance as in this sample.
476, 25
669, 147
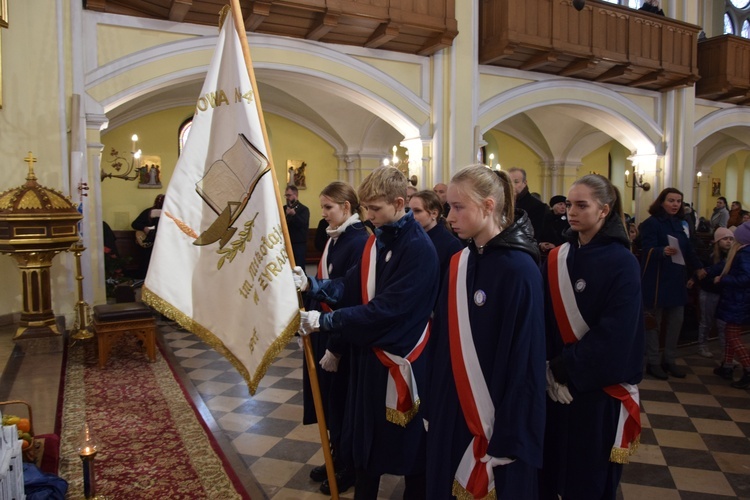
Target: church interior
97, 99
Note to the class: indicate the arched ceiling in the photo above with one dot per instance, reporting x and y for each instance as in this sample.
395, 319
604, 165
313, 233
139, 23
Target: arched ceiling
346, 126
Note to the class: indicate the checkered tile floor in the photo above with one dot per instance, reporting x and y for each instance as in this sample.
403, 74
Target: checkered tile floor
694, 443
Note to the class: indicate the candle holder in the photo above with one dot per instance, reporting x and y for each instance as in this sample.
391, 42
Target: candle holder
87, 449
81, 327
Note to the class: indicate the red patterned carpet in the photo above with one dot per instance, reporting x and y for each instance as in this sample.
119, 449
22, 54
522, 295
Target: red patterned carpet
152, 443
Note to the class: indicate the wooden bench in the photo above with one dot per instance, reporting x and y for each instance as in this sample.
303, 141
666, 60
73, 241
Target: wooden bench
111, 321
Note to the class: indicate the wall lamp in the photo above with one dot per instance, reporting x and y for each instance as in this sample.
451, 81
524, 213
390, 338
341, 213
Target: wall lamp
698, 180
637, 181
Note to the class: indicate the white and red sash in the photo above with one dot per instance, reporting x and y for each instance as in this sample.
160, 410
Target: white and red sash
572, 328
401, 398
473, 479
323, 271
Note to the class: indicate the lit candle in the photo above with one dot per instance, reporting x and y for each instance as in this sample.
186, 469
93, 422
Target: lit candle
135, 140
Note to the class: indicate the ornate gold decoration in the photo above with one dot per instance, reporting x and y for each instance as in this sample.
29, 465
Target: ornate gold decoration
237, 245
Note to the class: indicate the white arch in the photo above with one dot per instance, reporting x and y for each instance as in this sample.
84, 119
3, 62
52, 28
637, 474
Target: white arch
720, 120
347, 88
602, 108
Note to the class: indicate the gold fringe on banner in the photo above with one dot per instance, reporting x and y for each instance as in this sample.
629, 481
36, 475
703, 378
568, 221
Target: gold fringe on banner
150, 298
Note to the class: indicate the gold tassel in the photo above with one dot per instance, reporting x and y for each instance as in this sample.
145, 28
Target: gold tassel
401, 418
462, 494
622, 455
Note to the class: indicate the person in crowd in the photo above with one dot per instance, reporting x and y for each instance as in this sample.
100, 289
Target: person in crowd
690, 218
382, 307
145, 226
531, 205
346, 240
428, 212
410, 191
555, 224
298, 222
652, 6
667, 255
634, 237
485, 401
745, 216
442, 191
595, 339
734, 305
735, 214
720, 215
708, 296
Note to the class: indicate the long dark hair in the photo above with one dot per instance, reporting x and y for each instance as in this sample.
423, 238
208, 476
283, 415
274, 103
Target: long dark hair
656, 207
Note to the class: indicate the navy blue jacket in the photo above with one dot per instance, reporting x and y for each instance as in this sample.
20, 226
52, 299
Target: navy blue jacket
446, 244
579, 436
734, 304
405, 291
505, 301
343, 254
672, 278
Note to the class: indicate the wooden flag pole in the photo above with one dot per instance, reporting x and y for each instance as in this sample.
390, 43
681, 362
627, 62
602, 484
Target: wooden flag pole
239, 25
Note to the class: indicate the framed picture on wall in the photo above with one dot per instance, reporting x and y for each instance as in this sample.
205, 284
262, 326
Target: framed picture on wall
295, 173
149, 173
715, 187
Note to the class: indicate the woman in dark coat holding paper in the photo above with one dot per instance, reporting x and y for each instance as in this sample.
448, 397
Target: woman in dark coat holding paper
664, 237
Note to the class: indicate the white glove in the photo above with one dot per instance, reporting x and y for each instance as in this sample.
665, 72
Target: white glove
551, 385
495, 461
329, 362
563, 394
309, 321
300, 279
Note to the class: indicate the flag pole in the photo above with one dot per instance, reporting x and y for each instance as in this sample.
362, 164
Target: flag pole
239, 25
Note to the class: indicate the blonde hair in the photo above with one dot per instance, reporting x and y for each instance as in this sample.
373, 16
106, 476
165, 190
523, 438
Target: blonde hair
387, 183
486, 183
341, 192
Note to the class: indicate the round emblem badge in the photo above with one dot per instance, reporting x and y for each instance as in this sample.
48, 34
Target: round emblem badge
480, 297
330, 268
580, 285
388, 255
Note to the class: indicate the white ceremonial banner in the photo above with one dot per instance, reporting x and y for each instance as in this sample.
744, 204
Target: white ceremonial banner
219, 265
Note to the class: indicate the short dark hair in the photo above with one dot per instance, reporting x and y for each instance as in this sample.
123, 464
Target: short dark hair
293, 188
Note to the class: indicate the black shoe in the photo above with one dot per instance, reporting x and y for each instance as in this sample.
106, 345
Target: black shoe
724, 372
657, 372
744, 382
319, 474
673, 370
344, 481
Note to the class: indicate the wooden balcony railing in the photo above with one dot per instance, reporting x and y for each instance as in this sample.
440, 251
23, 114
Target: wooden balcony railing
415, 27
724, 63
604, 42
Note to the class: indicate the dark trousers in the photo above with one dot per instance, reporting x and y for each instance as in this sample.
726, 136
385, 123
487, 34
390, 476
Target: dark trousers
366, 487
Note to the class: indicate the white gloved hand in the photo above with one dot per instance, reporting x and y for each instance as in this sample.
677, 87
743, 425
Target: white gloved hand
563, 394
551, 385
329, 362
309, 321
495, 461
300, 279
